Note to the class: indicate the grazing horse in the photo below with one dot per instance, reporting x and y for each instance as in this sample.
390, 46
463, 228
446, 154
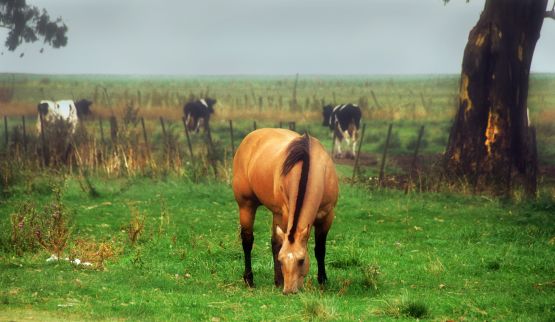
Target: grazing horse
66, 110
198, 112
344, 121
294, 177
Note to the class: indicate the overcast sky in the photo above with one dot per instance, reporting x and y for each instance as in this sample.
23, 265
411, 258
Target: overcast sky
218, 37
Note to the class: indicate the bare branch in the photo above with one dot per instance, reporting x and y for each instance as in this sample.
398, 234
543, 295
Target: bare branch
551, 13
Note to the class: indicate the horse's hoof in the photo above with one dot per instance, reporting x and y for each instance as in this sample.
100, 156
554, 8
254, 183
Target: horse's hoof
249, 280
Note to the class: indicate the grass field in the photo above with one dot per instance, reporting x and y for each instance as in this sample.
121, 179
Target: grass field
162, 234
390, 256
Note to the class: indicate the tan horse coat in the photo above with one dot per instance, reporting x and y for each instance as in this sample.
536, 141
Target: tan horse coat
258, 180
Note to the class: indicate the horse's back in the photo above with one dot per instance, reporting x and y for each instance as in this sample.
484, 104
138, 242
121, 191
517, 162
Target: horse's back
257, 162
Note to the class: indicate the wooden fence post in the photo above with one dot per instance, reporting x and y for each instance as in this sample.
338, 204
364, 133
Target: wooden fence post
375, 99
145, 137
211, 151
355, 168
334, 137
101, 130
532, 171
166, 141
24, 133
188, 138
292, 125
45, 156
231, 133
382, 166
254, 125
6, 141
414, 158
417, 149
113, 129
163, 128
294, 98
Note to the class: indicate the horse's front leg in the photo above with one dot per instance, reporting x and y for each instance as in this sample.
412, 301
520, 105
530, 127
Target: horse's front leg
320, 233
246, 217
276, 247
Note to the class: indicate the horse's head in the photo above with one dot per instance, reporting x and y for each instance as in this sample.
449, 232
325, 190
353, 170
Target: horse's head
293, 258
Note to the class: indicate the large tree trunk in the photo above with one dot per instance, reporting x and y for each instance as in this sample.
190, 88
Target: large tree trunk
489, 135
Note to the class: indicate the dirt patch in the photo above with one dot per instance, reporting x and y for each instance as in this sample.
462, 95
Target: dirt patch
31, 314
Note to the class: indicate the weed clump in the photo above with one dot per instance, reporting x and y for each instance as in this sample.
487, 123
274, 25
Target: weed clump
24, 223
316, 309
53, 232
417, 310
405, 308
93, 252
136, 225
370, 276
493, 266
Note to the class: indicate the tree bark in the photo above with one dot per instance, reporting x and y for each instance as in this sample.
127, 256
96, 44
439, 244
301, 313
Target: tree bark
490, 132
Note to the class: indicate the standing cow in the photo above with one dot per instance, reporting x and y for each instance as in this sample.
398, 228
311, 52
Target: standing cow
198, 113
66, 110
344, 121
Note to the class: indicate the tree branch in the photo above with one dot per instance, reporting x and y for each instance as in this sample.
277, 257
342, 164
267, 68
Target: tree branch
551, 13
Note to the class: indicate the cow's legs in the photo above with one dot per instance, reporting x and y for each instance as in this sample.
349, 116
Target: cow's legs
320, 233
188, 122
337, 152
350, 142
276, 246
198, 125
354, 149
246, 218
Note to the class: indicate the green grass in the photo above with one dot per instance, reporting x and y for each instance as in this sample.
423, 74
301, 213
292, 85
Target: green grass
390, 256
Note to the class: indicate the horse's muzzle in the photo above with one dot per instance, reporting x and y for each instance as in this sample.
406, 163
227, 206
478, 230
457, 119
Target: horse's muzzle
290, 291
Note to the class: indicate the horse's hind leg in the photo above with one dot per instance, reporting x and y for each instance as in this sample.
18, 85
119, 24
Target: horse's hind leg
246, 218
321, 233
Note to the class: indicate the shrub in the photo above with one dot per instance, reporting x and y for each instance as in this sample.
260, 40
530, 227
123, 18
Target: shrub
24, 223
136, 225
371, 273
53, 231
93, 252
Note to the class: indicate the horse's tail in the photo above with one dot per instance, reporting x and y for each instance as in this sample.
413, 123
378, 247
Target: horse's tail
298, 150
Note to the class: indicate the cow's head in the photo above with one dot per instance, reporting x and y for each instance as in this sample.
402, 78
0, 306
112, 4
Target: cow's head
83, 108
293, 258
210, 102
326, 113
42, 108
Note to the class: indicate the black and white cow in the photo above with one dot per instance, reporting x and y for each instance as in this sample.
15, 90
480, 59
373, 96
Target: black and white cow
344, 121
198, 113
66, 110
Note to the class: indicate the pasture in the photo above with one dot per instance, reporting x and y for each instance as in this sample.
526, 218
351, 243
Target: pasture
161, 228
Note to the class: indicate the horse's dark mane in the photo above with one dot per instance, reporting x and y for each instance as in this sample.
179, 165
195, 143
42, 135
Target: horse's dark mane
298, 150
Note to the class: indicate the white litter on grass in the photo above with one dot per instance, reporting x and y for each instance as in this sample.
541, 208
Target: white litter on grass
75, 261
52, 258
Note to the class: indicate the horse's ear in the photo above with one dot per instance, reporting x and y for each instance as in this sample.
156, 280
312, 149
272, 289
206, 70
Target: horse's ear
280, 233
305, 233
